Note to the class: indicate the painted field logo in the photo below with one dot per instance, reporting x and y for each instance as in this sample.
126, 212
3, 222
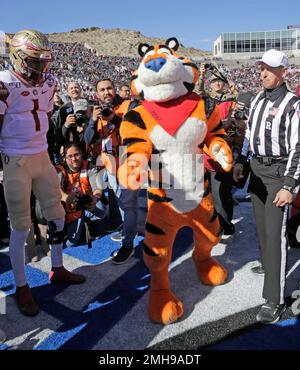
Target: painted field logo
296, 303
2, 303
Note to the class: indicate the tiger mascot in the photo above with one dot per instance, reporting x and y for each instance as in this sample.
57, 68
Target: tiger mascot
168, 131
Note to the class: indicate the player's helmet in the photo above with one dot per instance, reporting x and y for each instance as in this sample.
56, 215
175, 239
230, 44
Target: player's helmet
30, 55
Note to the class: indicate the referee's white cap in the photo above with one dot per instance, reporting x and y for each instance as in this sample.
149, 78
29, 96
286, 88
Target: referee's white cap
274, 58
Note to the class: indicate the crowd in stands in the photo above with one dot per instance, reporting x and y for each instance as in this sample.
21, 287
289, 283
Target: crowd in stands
73, 61
246, 76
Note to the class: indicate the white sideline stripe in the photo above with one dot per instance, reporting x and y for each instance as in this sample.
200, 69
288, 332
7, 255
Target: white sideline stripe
42, 336
293, 268
15, 342
283, 246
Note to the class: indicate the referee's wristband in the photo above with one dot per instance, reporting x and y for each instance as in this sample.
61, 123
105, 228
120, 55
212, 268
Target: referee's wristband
288, 188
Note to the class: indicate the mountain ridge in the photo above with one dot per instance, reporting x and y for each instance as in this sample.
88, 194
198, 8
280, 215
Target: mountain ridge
117, 41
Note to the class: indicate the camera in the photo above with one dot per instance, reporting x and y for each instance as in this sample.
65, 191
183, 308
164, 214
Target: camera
80, 108
80, 118
107, 109
208, 66
83, 200
241, 114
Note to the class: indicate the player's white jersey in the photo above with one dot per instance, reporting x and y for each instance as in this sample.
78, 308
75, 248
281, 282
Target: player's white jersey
25, 109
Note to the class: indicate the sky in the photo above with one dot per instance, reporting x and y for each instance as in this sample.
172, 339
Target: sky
195, 23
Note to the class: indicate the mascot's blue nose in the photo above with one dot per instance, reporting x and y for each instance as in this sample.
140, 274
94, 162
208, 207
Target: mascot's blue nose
156, 64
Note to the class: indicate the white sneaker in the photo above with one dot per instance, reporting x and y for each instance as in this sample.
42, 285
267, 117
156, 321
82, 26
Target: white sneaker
117, 237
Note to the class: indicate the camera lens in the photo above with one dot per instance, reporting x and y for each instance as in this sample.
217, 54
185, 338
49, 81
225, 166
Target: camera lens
106, 111
239, 114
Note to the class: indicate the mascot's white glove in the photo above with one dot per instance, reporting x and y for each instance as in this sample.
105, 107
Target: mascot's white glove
221, 152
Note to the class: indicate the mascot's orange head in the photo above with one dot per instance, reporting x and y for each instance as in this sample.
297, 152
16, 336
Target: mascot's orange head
162, 74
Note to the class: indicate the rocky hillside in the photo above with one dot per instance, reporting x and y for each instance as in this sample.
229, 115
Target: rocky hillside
118, 42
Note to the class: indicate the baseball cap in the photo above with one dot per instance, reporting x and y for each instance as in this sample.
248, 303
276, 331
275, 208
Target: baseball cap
214, 77
274, 58
80, 105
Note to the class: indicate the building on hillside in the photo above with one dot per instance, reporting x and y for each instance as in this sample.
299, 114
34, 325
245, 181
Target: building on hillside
247, 45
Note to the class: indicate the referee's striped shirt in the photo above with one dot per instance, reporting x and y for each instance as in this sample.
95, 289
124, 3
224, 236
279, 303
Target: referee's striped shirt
273, 128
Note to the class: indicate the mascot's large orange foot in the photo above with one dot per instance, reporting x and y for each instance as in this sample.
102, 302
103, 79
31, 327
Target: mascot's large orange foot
210, 272
164, 307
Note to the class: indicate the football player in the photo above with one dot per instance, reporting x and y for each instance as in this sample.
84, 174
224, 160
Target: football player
26, 102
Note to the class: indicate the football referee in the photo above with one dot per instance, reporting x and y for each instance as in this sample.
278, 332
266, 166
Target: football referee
273, 136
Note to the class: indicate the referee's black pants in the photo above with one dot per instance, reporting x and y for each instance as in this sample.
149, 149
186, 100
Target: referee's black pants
265, 182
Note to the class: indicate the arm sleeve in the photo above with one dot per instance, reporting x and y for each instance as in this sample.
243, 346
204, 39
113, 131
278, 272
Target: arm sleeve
61, 177
293, 166
91, 134
51, 103
3, 107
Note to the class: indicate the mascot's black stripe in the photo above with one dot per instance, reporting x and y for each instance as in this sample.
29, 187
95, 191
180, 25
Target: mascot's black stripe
190, 65
157, 198
210, 104
135, 118
165, 47
221, 136
220, 125
158, 184
207, 191
153, 165
189, 86
206, 175
149, 49
201, 146
214, 216
149, 251
154, 229
157, 151
133, 140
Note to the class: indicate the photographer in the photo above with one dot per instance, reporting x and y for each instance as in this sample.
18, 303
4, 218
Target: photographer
103, 136
236, 125
74, 127
82, 199
221, 181
65, 115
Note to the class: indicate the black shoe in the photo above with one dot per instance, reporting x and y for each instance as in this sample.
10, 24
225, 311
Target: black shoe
270, 312
113, 228
258, 270
229, 229
123, 255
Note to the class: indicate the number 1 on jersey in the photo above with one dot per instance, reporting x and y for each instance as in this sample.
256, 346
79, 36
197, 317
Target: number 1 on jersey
35, 114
